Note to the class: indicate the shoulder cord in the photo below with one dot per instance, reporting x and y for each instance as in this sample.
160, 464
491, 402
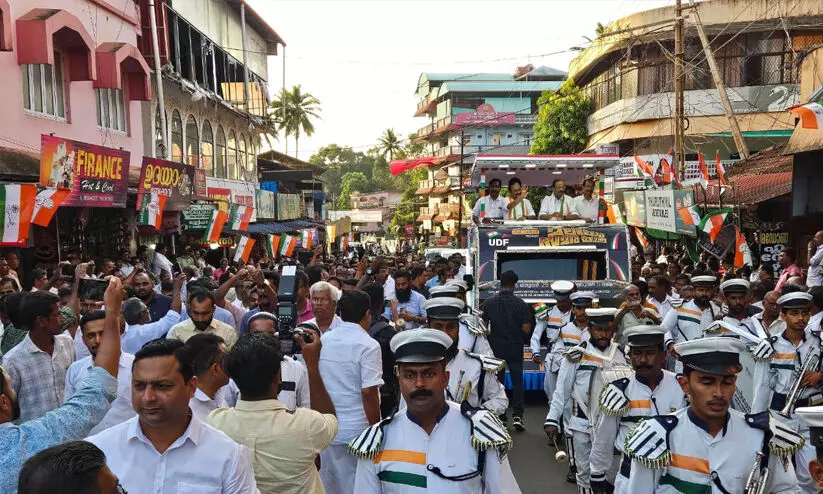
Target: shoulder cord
481, 465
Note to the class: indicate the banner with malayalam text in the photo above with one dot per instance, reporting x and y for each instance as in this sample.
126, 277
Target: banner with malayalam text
175, 180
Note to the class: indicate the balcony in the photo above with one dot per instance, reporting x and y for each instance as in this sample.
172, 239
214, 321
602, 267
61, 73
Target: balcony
455, 150
426, 214
447, 211
524, 119
434, 187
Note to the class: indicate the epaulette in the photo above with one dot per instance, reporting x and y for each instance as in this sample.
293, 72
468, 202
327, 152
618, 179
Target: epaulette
676, 302
368, 443
613, 399
783, 441
476, 326
648, 443
575, 353
487, 430
490, 364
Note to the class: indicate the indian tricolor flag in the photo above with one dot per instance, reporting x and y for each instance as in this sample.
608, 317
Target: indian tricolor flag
306, 239
344, 243
690, 215
614, 214
742, 254
244, 246
151, 212
287, 245
646, 169
641, 237
218, 219
17, 202
272, 245
712, 223
46, 204
239, 217
811, 115
704, 171
721, 172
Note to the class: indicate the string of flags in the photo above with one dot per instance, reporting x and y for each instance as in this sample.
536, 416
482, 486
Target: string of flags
244, 247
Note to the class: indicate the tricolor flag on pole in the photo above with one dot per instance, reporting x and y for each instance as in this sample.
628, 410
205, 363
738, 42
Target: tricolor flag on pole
287, 245
272, 245
482, 195
641, 237
218, 219
46, 204
690, 215
646, 170
17, 206
305, 239
742, 254
151, 212
713, 222
239, 217
811, 115
244, 246
704, 171
721, 172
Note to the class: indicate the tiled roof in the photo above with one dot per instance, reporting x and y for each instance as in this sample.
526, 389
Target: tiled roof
764, 176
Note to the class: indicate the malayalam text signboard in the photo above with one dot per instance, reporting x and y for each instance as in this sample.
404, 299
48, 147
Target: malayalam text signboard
771, 243
97, 176
660, 213
175, 180
198, 217
288, 206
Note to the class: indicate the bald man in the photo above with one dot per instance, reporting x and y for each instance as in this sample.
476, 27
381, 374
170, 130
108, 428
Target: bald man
770, 317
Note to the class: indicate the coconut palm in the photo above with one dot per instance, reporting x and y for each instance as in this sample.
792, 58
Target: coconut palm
389, 144
300, 109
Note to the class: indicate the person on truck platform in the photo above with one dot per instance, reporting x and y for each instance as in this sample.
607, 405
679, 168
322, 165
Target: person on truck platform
557, 205
586, 206
493, 204
519, 207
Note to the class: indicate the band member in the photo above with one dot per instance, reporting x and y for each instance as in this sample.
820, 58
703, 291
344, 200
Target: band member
650, 391
473, 334
573, 385
706, 447
558, 316
812, 417
796, 355
434, 445
687, 322
739, 312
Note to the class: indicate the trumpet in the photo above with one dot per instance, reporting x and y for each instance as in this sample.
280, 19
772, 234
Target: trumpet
811, 362
475, 323
758, 477
400, 324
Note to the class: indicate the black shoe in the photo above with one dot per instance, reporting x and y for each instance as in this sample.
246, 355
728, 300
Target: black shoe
518, 424
571, 477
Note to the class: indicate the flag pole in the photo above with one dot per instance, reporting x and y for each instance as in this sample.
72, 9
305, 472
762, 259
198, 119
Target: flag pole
719, 188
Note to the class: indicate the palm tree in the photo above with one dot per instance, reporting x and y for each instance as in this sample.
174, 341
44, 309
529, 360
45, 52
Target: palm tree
300, 109
389, 144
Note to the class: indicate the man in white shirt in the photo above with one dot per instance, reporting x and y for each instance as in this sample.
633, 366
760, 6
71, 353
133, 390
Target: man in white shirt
493, 206
586, 206
166, 449
92, 327
557, 205
161, 262
139, 328
519, 207
324, 298
207, 351
815, 277
352, 370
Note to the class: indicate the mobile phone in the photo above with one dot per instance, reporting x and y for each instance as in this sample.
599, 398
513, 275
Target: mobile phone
89, 289
67, 270
176, 269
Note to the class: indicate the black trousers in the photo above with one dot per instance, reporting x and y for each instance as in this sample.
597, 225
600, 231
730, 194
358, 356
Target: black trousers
515, 366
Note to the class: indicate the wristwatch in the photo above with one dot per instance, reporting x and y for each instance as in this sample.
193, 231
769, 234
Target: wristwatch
370, 272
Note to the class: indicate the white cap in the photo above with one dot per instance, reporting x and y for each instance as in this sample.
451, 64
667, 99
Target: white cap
444, 307
703, 279
562, 289
719, 355
460, 283
735, 285
444, 291
645, 335
795, 300
420, 345
582, 298
601, 317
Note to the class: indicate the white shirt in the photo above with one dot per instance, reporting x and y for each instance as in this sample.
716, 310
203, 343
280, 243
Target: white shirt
663, 307
203, 460
121, 409
201, 405
522, 210
137, 335
350, 361
389, 291
81, 351
814, 278
336, 321
294, 384
162, 263
495, 208
586, 208
551, 204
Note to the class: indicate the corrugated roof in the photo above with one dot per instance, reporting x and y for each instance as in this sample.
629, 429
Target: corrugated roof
497, 86
544, 71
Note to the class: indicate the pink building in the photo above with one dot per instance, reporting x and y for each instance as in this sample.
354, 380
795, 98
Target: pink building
71, 68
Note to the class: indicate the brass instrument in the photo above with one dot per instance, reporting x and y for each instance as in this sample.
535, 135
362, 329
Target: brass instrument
797, 389
400, 324
475, 323
758, 477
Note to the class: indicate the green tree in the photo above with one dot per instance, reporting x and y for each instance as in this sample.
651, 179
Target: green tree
412, 148
352, 182
560, 127
389, 144
295, 111
339, 161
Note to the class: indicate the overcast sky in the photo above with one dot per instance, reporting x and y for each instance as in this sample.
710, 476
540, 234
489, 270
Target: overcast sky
362, 59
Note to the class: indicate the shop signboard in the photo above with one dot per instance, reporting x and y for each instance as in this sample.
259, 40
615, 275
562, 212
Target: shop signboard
200, 187
660, 213
288, 206
485, 115
97, 176
175, 180
266, 205
634, 207
232, 191
198, 217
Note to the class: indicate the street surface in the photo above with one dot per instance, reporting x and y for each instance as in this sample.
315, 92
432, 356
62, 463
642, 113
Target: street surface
532, 460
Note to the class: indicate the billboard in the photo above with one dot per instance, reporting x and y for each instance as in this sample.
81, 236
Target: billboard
634, 208
485, 115
175, 180
97, 176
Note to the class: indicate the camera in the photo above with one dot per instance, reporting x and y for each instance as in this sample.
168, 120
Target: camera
287, 313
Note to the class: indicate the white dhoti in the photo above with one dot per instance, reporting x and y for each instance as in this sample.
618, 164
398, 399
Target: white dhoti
337, 469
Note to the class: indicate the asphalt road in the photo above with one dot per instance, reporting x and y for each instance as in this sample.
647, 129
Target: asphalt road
532, 459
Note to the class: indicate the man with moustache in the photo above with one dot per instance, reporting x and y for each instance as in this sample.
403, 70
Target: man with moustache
687, 322
770, 317
491, 206
739, 313
573, 386
650, 391
706, 447
409, 303
557, 205
434, 444
157, 303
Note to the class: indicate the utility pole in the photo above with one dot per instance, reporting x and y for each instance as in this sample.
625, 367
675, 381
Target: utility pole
721, 87
460, 198
679, 104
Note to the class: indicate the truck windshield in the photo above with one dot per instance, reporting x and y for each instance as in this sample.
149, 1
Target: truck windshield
540, 266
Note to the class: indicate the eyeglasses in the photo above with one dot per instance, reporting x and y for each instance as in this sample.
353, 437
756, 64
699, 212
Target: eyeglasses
119, 489
320, 301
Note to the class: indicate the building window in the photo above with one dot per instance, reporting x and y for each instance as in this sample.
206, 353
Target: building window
111, 113
207, 149
231, 156
249, 175
192, 142
43, 88
160, 150
241, 158
220, 155
176, 137
527, 139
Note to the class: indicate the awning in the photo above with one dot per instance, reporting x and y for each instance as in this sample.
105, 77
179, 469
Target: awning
399, 166
118, 62
41, 29
424, 217
804, 140
270, 228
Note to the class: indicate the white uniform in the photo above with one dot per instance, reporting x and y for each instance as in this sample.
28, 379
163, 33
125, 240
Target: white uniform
555, 320
623, 404
397, 456
773, 381
686, 323
695, 456
473, 342
573, 386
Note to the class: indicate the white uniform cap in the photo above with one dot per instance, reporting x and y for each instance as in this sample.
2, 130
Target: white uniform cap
813, 417
704, 279
562, 289
420, 345
582, 298
444, 307
645, 335
601, 317
735, 285
718, 355
795, 300
444, 291
460, 283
